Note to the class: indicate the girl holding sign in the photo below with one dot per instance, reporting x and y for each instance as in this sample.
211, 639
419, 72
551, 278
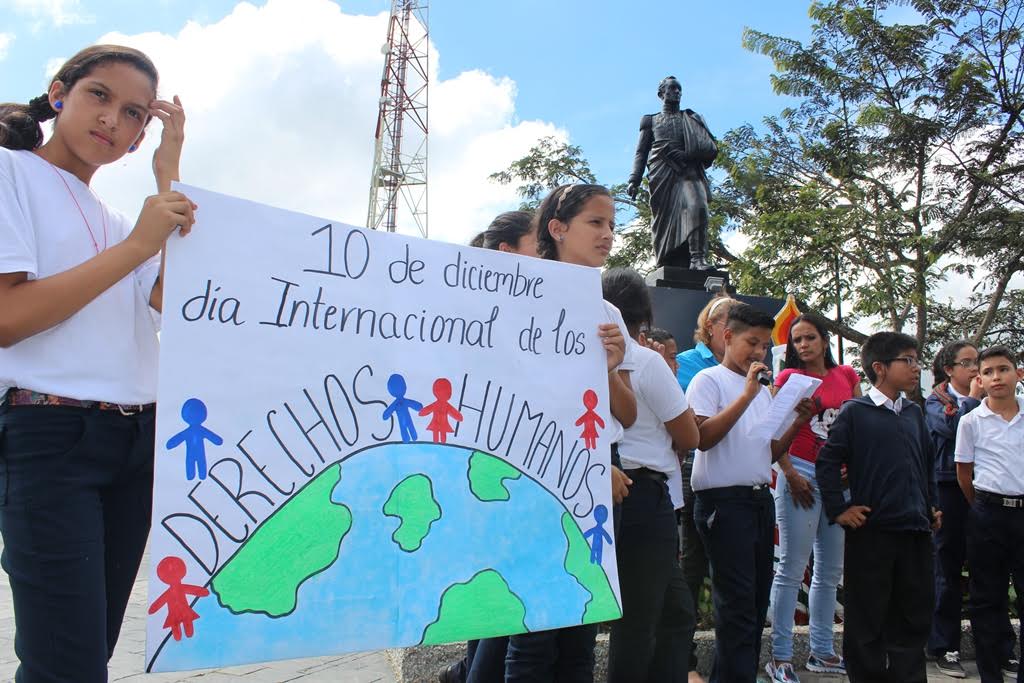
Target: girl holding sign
78, 354
575, 225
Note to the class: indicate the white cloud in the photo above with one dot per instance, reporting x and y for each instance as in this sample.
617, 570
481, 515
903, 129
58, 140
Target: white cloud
5, 43
55, 12
282, 103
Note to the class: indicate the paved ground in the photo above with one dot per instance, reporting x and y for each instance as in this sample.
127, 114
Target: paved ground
368, 667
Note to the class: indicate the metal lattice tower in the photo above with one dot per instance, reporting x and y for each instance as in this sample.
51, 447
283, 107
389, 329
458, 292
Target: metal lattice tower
400, 155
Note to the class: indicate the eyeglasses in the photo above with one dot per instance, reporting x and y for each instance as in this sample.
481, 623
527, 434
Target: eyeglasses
909, 360
967, 363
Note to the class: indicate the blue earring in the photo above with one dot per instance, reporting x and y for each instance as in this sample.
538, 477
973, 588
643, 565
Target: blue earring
132, 148
58, 105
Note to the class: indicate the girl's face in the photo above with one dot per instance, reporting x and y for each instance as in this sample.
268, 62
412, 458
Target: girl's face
104, 113
527, 245
587, 239
964, 368
809, 345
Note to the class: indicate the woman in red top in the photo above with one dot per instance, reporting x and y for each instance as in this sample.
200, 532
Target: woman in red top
799, 512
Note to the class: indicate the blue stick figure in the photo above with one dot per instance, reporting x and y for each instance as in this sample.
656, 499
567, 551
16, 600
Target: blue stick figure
193, 412
597, 534
401, 406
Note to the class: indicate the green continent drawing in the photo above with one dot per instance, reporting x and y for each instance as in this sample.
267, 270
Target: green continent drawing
602, 605
487, 475
412, 501
482, 607
299, 541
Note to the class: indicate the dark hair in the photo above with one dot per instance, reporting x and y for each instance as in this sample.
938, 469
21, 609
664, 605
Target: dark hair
659, 335
477, 241
664, 84
563, 204
19, 123
946, 357
744, 316
882, 347
627, 291
793, 358
507, 228
998, 351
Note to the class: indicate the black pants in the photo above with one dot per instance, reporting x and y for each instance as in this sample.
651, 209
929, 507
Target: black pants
695, 560
995, 552
889, 601
950, 553
75, 501
650, 643
737, 525
562, 655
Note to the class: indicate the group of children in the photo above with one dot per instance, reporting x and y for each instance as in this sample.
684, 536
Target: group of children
80, 287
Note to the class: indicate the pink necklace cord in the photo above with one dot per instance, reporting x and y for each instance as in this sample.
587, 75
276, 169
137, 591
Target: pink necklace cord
85, 220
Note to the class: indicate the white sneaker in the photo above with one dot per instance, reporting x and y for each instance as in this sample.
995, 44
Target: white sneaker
781, 673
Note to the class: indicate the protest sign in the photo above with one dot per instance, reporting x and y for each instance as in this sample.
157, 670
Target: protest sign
367, 440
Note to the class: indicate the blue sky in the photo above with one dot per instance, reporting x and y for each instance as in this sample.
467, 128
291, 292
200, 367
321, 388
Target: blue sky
590, 68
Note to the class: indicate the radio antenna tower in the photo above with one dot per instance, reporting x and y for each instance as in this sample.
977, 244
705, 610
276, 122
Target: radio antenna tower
400, 155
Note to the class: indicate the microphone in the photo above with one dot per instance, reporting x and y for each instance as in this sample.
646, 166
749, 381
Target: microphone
764, 377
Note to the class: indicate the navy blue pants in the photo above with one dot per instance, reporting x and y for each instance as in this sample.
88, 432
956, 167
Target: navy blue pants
651, 642
737, 525
950, 553
995, 552
563, 655
75, 502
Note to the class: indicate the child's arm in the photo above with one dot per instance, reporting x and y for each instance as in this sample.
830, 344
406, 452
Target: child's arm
965, 477
166, 160
828, 466
623, 400
213, 438
713, 429
160, 602
175, 440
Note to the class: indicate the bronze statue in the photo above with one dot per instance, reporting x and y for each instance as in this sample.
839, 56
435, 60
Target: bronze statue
680, 148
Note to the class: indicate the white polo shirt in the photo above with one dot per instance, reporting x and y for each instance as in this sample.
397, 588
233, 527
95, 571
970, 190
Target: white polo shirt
995, 446
659, 398
881, 399
108, 350
738, 459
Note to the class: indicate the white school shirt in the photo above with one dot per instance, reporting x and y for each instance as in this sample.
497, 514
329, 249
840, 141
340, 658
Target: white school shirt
995, 446
108, 350
881, 399
738, 459
628, 364
659, 398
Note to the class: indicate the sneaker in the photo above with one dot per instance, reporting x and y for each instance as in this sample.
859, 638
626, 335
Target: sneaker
781, 673
1010, 666
949, 664
826, 665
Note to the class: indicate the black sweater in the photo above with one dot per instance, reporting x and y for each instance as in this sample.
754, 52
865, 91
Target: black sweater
889, 460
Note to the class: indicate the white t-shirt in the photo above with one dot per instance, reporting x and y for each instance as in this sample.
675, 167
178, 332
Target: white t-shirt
628, 364
995, 446
738, 459
659, 398
108, 350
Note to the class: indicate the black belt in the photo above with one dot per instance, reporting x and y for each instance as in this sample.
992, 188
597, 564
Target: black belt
646, 473
745, 491
1000, 500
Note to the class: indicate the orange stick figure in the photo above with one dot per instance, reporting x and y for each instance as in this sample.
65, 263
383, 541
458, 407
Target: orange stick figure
441, 410
589, 419
171, 571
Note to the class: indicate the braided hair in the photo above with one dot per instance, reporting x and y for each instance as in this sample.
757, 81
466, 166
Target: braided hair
19, 123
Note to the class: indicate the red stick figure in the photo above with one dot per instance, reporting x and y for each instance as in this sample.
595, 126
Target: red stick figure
589, 419
171, 571
441, 410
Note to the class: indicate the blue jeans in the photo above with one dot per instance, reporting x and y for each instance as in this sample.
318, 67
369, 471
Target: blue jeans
800, 530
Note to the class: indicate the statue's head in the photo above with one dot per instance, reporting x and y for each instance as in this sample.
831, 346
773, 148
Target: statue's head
669, 89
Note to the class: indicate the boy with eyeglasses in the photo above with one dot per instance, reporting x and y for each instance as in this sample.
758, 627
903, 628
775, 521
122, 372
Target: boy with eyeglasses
990, 469
882, 440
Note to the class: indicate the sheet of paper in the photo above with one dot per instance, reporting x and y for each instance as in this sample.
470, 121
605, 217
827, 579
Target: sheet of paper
783, 411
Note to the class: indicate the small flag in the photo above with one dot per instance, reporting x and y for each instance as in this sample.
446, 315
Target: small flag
784, 320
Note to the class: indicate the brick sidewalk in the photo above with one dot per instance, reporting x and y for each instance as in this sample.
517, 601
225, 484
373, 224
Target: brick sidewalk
127, 664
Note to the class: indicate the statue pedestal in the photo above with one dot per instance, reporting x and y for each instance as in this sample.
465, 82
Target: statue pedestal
684, 278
